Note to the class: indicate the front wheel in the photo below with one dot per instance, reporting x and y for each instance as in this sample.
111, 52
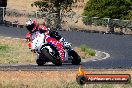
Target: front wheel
74, 57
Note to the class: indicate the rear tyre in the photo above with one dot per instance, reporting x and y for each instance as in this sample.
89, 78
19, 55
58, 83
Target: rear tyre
75, 57
55, 59
40, 60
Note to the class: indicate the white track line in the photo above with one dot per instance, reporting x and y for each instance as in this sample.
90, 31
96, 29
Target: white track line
12, 38
106, 56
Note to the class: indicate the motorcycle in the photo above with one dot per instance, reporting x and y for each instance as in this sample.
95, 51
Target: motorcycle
49, 49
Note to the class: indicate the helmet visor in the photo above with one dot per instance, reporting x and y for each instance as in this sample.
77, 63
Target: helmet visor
30, 27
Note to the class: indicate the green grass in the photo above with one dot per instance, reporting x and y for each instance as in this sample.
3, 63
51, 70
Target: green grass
5, 51
4, 48
88, 50
85, 52
15, 52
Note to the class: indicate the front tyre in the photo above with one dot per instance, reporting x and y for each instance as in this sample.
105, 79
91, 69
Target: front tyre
74, 57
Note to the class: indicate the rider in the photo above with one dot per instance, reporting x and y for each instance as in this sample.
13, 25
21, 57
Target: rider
54, 34
32, 27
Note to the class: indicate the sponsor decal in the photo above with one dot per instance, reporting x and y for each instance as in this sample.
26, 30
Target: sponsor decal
58, 45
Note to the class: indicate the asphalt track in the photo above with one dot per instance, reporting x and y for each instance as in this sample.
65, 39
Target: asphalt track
118, 46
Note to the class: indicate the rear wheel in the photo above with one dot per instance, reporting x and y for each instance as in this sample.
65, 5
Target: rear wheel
74, 57
54, 58
40, 60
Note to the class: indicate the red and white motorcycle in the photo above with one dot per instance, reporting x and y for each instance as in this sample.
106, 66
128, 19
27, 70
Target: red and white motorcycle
51, 50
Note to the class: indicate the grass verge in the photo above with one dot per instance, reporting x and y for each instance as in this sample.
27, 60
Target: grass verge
85, 52
4, 48
52, 79
15, 51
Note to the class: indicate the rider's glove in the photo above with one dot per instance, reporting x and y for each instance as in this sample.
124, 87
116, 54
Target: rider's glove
62, 40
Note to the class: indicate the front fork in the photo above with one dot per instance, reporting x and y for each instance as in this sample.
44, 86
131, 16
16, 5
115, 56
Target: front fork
67, 50
66, 55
